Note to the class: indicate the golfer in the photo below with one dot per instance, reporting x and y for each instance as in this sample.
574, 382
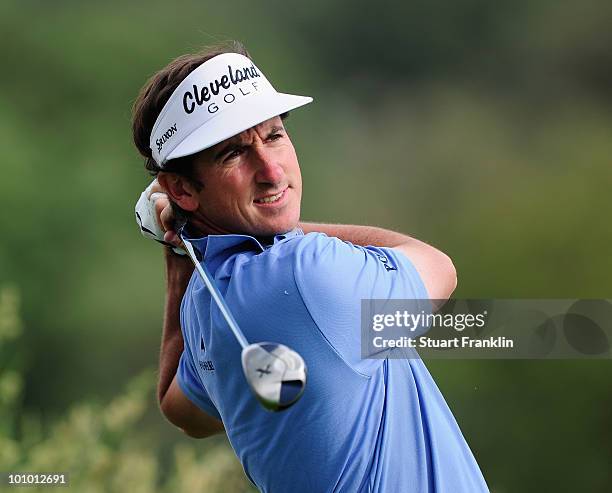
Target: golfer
210, 127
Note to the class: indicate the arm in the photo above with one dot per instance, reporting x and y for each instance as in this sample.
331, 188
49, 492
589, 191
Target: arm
178, 273
175, 406
155, 217
435, 267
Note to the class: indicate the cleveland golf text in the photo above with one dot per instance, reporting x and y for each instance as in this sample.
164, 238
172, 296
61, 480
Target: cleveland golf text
203, 95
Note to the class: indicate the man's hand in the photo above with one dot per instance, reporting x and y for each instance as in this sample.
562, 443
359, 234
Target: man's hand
165, 214
156, 218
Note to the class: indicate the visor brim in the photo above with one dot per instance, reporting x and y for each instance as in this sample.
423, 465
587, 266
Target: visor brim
236, 119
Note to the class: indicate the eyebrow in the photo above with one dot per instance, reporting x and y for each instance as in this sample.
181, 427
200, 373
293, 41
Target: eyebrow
236, 142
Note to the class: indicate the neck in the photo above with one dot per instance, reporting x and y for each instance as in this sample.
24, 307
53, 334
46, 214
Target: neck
200, 226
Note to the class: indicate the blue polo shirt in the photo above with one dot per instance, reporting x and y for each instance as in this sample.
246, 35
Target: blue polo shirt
362, 425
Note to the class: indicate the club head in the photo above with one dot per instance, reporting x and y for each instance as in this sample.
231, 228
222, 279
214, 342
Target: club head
275, 373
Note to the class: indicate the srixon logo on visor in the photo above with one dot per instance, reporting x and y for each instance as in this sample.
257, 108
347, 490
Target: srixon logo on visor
165, 137
200, 95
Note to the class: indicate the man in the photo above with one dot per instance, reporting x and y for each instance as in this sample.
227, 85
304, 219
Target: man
211, 128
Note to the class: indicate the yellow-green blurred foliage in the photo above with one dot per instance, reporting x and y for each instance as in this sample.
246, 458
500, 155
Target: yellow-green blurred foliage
100, 446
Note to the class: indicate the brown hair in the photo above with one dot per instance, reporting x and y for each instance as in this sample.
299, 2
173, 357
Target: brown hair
155, 94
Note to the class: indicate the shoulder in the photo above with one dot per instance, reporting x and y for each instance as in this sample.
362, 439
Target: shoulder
319, 249
317, 253
308, 262
335, 267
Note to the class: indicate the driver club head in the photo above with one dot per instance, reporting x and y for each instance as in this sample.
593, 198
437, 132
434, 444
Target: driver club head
275, 373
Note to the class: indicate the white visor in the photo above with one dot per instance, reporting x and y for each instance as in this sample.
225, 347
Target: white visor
224, 96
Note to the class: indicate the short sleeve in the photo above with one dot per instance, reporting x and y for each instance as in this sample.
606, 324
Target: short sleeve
190, 385
333, 276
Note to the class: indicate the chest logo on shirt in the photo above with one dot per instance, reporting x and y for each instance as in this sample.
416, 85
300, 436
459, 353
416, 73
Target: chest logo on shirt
385, 262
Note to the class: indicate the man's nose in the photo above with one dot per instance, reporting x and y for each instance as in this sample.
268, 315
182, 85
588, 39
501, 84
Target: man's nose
269, 169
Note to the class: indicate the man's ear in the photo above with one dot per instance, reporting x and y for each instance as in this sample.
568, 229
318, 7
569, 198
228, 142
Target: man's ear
180, 190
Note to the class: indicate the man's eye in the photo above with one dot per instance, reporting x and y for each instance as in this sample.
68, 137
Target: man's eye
274, 137
234, 154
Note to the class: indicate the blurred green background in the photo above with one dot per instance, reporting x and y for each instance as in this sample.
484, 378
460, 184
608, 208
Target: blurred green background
481, 127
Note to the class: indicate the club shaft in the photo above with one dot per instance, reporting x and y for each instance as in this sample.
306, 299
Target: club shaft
216, 295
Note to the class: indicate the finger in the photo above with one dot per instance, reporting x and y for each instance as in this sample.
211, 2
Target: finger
167, 218
160, 202
154, 187
155, 196
172, 238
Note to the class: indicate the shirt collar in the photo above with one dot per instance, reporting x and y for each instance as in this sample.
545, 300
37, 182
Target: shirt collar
215, 248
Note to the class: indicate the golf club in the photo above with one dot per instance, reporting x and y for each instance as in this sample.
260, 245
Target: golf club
275, 373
